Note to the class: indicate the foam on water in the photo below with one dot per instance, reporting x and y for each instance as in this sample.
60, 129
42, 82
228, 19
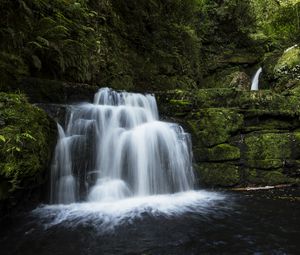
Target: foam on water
105, 216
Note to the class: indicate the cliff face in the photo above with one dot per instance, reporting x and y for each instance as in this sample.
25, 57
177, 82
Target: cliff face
240, 138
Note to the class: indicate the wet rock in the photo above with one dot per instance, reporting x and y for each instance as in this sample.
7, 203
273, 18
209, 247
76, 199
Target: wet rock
240, 81
240, 138
28, 137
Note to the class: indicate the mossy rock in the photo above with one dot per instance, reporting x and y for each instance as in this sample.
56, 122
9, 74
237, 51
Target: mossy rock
259, 177
265, 164
248, 102
175, 102
242, 58
214, 126
282, 69
54, 91
218, 174
260, 121
221, 152
26, 142
180, 106
220, 79
296, 145
289, 61
264, 146
268, 65
240, 81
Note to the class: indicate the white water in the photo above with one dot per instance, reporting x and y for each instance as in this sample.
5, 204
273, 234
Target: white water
290, 48
116, 160
255, 81
105, 216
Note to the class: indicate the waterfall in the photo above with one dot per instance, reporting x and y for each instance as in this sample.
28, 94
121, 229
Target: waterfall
117, 148
290, 48
255, 81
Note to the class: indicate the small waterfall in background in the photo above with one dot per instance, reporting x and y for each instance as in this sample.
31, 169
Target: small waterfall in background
117, 148
290, 48
255, 81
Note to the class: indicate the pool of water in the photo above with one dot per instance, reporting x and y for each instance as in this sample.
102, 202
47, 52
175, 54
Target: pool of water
257, 222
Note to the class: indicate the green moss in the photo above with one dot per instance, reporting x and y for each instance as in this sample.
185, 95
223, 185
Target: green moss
53, 91
288, 60
263, 102
218, 174
260, 121
259, 177
265, 164
25, 139
256, 130
242, 58
214, 126
221, 152
261, 146
180, 102
220, 79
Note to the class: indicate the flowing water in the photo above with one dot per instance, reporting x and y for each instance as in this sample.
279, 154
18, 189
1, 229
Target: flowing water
255, 80
122, 183
117, 148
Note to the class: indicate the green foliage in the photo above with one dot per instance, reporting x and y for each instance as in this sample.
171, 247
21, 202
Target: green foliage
124, 44
139, 44
24, 143
52, 38
278, 20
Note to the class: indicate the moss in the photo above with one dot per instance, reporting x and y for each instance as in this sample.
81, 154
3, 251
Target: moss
241, 81
265, 164
53, 91
221, 152
218, 174
260, 121
255, 130
220, 79
242, 58
289, 59
263, 102
214, 126
259, 177
180, 102
26, 141
282, 69
261, 146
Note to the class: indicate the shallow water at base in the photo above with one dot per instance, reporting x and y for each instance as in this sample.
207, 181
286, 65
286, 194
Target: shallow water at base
185, 223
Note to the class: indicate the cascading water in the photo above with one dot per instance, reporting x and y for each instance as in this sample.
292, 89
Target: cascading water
116, 148
255, 80
115, 161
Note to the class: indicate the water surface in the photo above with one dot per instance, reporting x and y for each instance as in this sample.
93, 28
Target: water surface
260, 222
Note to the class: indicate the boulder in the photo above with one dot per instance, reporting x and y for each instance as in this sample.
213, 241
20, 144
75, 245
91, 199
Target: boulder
27, 139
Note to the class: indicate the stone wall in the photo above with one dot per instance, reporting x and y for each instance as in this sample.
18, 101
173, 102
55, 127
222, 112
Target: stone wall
240, 138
